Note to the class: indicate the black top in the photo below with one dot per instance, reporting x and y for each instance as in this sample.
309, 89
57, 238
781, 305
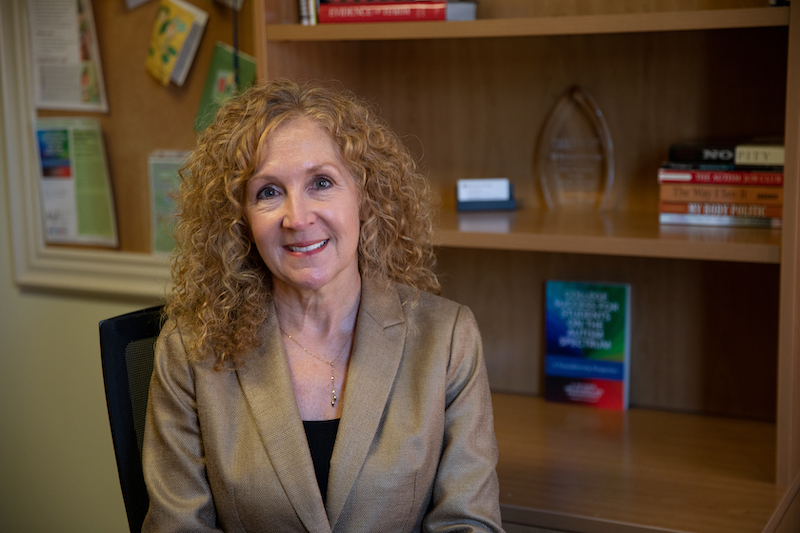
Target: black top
321, 435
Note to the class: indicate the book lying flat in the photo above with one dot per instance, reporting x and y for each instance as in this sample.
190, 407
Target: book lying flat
377, 11
722, 209
686, 219
737, 194
721, 177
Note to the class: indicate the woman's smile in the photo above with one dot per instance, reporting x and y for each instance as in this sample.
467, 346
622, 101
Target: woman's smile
306, 248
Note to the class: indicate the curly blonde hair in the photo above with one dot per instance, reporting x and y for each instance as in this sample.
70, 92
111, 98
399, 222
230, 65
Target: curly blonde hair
220, 284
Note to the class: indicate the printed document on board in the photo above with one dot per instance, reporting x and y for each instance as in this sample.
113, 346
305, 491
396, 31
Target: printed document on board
66, 58
76, 197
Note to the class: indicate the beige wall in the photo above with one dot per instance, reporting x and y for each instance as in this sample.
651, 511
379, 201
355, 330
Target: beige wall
57, 469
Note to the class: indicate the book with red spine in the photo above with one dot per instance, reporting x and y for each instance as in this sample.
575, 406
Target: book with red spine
378, 11
721, 177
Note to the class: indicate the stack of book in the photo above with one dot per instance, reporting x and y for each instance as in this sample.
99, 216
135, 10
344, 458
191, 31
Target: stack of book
332, 11
723, 184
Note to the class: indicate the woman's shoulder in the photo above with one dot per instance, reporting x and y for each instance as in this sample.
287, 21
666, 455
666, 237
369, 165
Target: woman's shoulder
173, 345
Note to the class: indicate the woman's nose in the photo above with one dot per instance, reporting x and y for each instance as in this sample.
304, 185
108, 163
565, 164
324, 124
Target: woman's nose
298, 212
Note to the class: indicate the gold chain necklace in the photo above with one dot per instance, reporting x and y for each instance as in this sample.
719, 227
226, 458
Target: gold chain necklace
333, 377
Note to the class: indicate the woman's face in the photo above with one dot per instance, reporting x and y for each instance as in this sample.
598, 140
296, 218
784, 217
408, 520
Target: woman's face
302, 207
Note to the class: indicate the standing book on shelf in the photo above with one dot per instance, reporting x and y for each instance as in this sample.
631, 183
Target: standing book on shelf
587, 331
307, 12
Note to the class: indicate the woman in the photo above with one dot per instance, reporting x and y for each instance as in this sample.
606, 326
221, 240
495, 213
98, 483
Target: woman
308, 380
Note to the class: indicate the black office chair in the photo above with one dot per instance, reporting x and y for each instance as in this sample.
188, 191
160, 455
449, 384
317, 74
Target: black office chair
126, 349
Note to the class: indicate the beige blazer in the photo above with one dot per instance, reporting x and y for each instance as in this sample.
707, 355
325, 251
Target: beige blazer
415, 450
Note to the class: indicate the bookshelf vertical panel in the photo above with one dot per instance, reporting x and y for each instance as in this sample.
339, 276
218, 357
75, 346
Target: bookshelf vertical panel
788, 416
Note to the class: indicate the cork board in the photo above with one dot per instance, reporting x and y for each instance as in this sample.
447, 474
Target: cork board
145, 116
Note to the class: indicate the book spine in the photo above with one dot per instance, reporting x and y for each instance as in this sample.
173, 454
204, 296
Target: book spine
306, 10
758, 154
382, 11
722, 209
721, 177
710, 220
677, 165
745, 194
703, 153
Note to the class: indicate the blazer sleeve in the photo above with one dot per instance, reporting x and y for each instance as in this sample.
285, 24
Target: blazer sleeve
172, 455
466, 491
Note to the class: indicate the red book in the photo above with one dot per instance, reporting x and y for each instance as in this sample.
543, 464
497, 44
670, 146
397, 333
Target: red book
722, 209
721, 177
382, 11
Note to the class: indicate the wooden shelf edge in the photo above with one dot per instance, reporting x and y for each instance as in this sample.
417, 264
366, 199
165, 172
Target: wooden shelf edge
535, 26
611, 233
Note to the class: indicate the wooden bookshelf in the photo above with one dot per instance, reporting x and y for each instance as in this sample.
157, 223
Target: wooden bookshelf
710, 443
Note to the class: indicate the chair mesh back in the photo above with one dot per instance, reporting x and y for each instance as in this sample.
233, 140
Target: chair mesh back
139, 362
126, 349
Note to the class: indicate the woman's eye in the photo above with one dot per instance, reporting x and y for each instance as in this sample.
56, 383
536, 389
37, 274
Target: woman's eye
266, 192
322, 183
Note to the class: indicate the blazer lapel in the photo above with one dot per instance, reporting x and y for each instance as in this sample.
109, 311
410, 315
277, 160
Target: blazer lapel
374, 361
267, 386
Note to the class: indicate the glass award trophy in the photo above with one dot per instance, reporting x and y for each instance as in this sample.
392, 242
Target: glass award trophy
574, 160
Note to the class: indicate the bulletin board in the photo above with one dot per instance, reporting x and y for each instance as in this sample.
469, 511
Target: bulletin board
145, 116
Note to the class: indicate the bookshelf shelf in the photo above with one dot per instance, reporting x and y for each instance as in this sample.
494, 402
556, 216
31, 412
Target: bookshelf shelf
631, 471
471, 97
534, 26
613, 233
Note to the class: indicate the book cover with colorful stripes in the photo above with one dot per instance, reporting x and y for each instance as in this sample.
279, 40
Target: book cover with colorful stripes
587, 330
